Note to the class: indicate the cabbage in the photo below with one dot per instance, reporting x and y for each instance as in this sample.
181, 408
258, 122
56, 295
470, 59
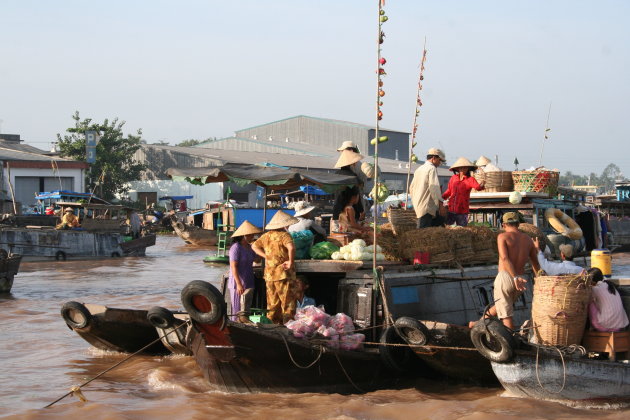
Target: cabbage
358, 242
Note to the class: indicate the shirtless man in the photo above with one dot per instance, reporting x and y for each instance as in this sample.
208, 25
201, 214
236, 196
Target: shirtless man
515, 248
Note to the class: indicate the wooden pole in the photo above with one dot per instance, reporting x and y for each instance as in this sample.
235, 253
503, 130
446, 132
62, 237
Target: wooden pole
264, 209
376, 131
547, 129
11, 188
414, 127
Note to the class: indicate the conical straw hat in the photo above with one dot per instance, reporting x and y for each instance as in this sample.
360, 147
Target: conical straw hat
482, 161
246, 228
281, 220
347, 145
301, 208
462, 162
348, 157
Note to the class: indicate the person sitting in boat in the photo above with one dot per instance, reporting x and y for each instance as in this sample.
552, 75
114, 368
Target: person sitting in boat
567, 266
349, 163
605, 310
458, 191
345, 213
304, 214
278, 250
302, 286
69, 220
241, 277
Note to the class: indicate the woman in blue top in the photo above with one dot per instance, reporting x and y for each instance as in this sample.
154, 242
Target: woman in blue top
241, 281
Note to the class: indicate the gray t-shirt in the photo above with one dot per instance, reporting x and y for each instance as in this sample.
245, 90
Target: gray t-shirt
306, 224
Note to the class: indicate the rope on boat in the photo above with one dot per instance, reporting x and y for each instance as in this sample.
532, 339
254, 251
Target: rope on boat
321, 351
573, 348
76, 390
346, 374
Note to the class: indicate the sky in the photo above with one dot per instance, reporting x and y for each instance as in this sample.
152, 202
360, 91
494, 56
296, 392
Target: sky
197, 69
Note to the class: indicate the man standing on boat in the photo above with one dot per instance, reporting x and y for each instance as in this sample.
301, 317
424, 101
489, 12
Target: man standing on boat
515, 248
426, 194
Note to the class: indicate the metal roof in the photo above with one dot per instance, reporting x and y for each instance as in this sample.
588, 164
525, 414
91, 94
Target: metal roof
14, 151
298, 148
341, 122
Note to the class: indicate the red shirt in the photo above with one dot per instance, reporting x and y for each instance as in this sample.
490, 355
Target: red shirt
459, 193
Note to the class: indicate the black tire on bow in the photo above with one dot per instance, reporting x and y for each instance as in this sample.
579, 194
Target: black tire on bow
200, 293
60, 256
493, 340
76, 315
181, 226
412, 331
397, 358
160, 317
3, 254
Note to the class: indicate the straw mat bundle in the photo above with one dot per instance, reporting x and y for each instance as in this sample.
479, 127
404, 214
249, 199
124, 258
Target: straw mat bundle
462, 244
559, 309
402, 220
434, 240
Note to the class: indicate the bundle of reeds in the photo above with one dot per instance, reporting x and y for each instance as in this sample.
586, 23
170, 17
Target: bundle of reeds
462, 240
436, 241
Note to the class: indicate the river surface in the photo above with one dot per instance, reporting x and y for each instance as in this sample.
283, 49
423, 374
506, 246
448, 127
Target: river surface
41, 359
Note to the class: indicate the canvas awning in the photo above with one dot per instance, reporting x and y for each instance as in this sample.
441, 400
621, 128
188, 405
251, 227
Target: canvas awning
270, 177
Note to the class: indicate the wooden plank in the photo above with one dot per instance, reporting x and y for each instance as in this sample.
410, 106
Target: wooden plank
326, 266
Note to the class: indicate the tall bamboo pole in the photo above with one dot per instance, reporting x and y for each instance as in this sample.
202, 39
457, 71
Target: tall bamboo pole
11, 188
414, 127
379, 39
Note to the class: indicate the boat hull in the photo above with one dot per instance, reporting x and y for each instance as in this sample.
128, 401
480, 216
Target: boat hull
246, 358
196, 236
577, 379
9, 267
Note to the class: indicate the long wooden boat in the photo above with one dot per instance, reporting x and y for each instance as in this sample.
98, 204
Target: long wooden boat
548, 374
127, 330
194, 235
9, 267
137, 247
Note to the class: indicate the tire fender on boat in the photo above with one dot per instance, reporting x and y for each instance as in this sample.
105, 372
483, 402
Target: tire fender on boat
203, 302
60, 256
181, 226
563, 223
76, 315
160, 317
396, 358
493, 340
412, 331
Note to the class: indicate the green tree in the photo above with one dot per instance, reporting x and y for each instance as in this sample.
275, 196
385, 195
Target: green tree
189, 143
161, 143
610, 174
115, 165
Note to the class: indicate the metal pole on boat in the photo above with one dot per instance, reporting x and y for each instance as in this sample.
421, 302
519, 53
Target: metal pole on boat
264, 209
379, 94
11, 188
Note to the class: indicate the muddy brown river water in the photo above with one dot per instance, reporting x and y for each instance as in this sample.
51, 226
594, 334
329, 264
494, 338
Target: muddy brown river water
41, 359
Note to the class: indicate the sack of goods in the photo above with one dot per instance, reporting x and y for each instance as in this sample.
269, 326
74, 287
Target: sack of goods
560, 308
338, 330
303, 241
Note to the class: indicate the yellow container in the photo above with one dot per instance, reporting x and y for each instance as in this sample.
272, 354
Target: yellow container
602, 259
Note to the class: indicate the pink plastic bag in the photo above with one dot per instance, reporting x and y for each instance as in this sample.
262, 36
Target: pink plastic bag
352, 341
342, 323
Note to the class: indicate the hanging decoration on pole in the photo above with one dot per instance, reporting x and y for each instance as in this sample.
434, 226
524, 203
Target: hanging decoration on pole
414, 130
545, 138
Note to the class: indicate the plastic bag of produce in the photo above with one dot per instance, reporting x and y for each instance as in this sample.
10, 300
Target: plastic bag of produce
323, 251
312, 316
300, 329
342, 323
303, 241
351, 341
331, 334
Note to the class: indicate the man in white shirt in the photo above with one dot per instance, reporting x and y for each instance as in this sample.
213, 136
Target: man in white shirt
567, 266
426, 193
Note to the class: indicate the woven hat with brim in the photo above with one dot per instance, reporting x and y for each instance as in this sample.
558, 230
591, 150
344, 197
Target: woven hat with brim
69, 209
462, 162
347, 145
482, 161
246, 228
437, 152
567, 250
301, 208
510, 217
348, 157
281, 220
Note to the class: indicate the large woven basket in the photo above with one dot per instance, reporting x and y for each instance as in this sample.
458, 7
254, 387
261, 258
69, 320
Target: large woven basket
498, 181
402, 220
559, 309
540, 180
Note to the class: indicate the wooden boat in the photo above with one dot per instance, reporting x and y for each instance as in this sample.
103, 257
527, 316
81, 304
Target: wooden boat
9, 267
550, 374
137, 247
127, 330
195, 235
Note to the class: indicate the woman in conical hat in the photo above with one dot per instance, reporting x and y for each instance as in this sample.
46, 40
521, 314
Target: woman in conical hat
241, 280
278, 250
458, 191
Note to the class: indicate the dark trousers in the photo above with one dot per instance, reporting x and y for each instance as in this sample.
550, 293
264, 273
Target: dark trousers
429, 220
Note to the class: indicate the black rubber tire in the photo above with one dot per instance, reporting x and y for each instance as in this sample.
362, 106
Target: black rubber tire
181, 226
396, 358
60, 256
412, 331
497, 344
115, 255
69, 312
160, 317
211, 293
3, 254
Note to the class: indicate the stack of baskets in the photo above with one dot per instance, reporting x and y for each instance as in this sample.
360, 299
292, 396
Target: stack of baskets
499, 181
402, 220
540, 180
559, 309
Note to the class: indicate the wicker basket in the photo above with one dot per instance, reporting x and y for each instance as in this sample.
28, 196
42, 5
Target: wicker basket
498, 181
559, 309
542, 181
402, 220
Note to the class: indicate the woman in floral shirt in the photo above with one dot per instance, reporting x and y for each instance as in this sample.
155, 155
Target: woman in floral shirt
276, 247
458, 192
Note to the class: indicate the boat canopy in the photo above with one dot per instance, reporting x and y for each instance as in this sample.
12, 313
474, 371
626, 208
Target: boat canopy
176, 197
264, 176
69, 195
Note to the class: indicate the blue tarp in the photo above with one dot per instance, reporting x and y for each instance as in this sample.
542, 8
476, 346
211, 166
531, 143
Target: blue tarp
176, 197
255, 216
56, 195
312, 190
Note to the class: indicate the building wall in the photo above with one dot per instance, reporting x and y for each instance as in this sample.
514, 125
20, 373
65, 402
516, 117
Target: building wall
163, 187
69, 177
159, 160
397, 147
255, 145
